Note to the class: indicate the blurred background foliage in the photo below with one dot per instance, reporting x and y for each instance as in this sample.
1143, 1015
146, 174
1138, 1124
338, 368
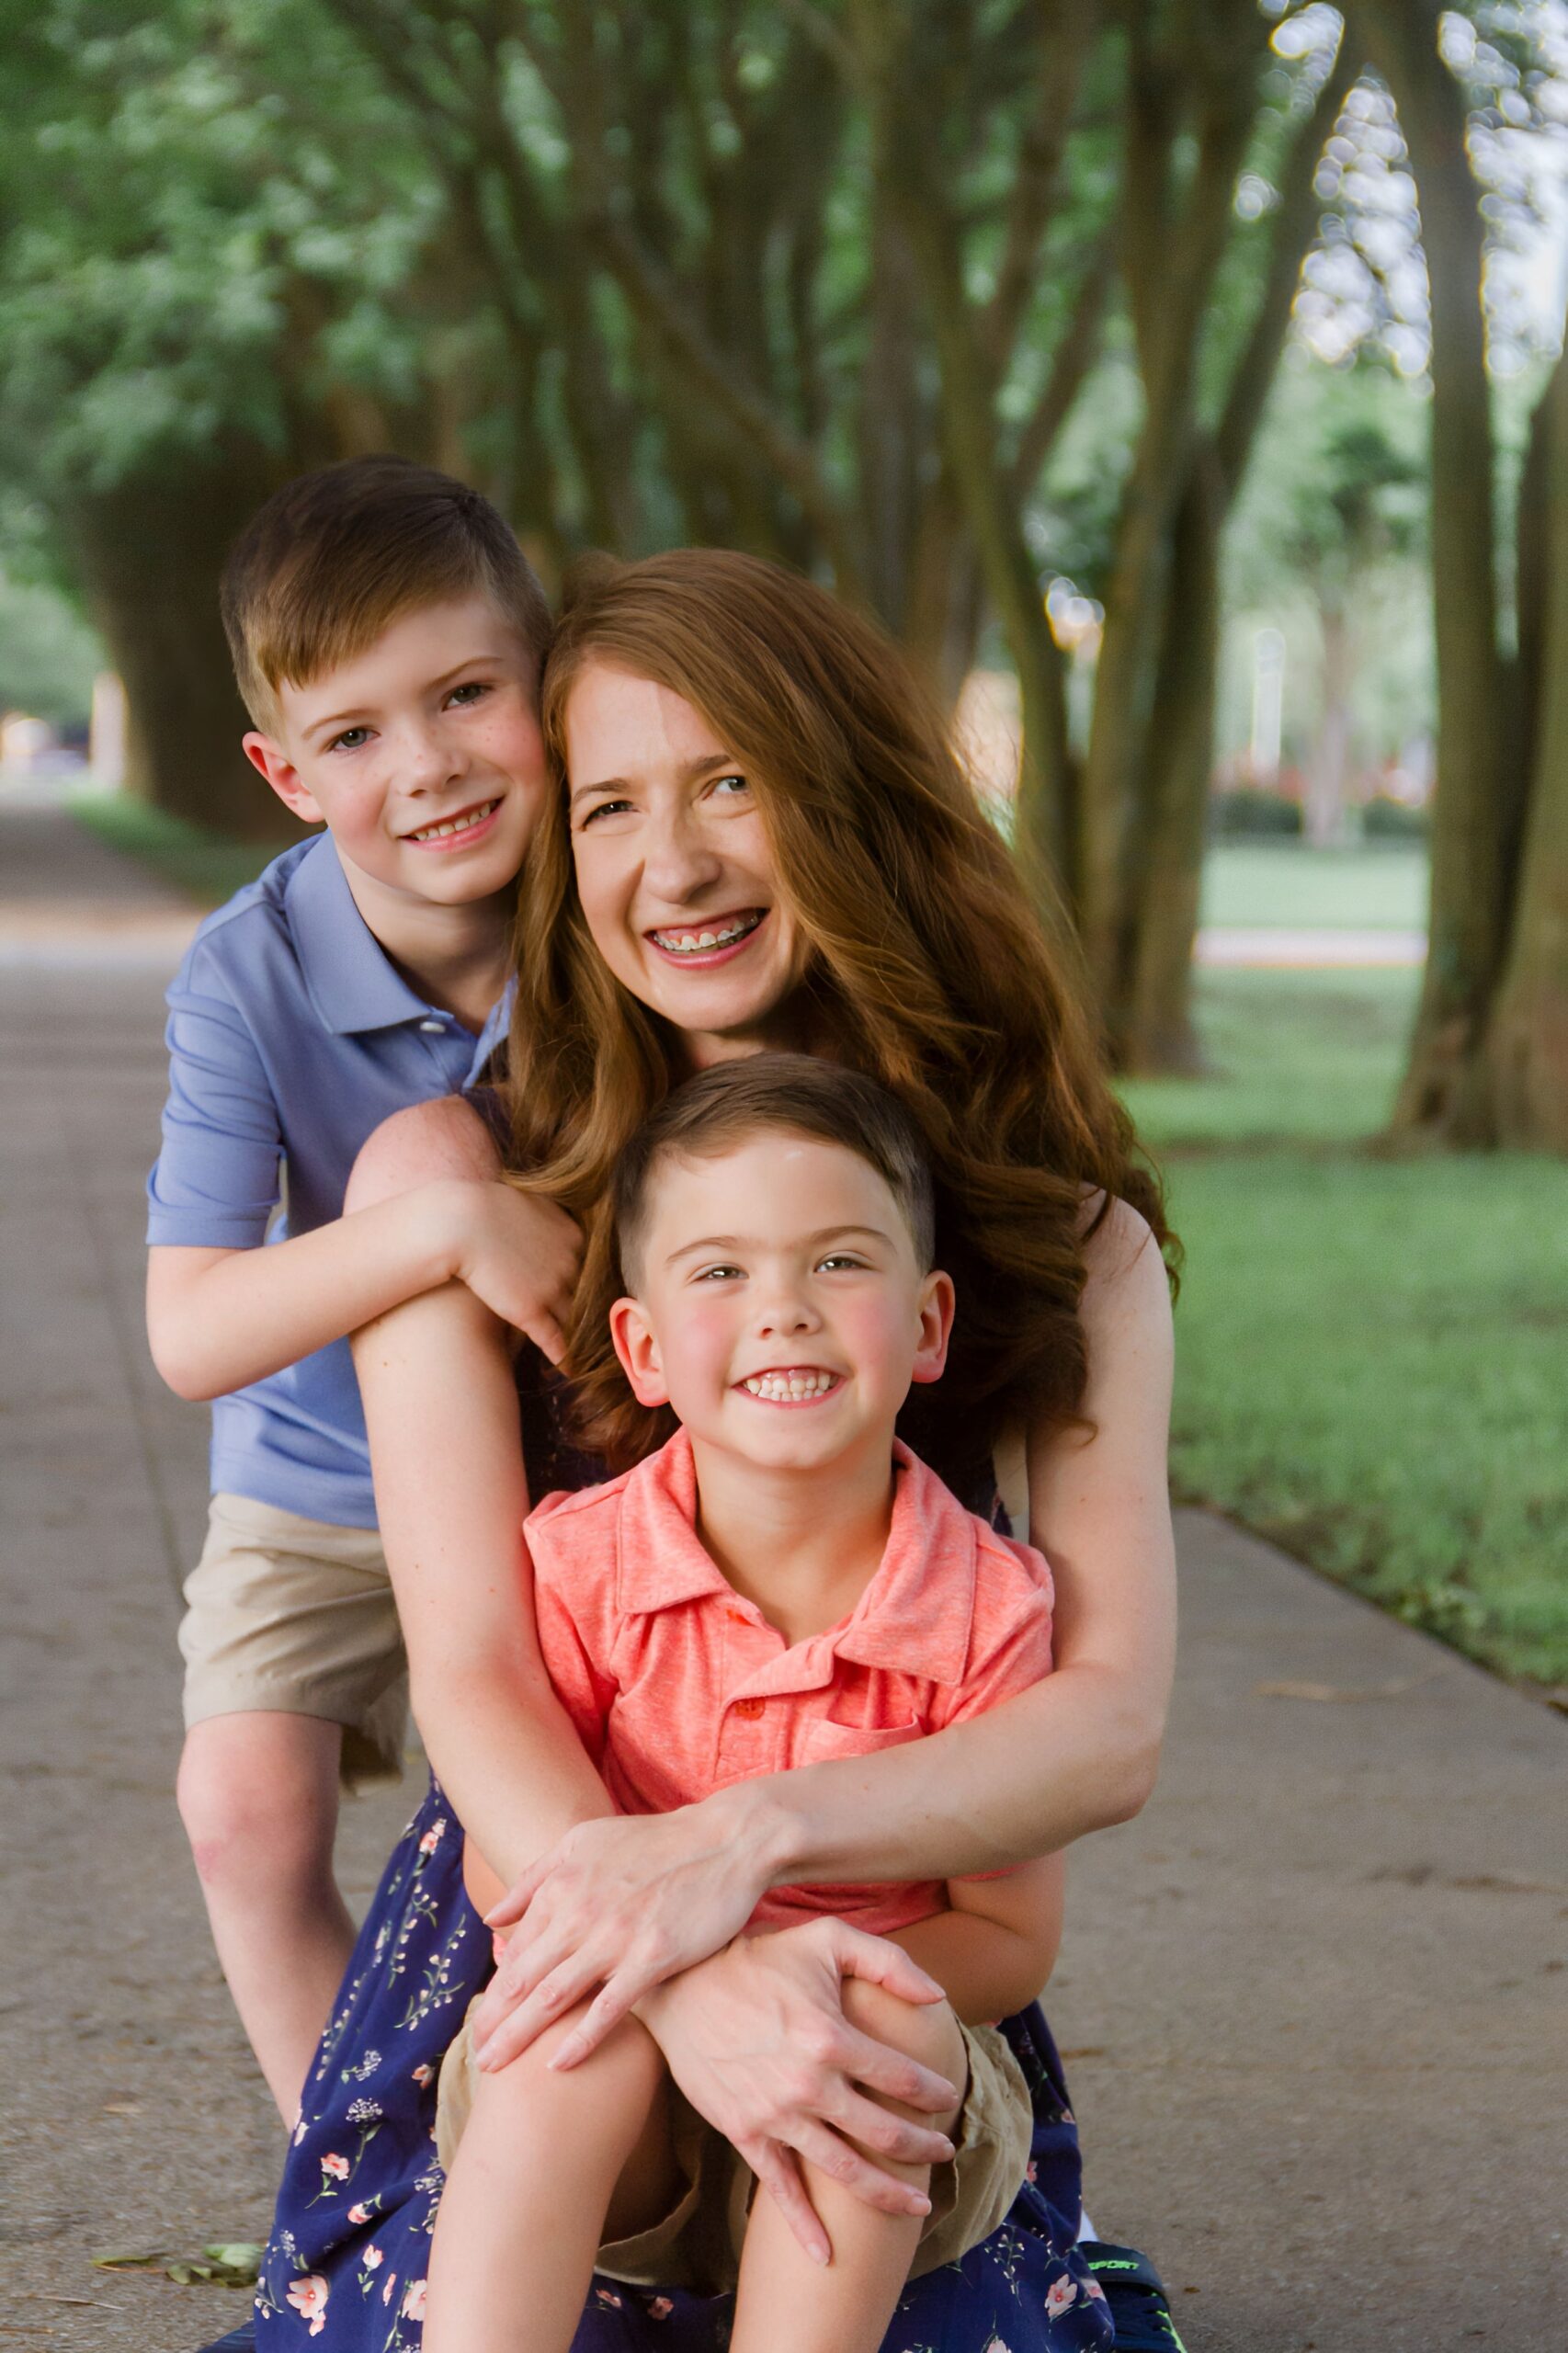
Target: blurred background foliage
1088, 343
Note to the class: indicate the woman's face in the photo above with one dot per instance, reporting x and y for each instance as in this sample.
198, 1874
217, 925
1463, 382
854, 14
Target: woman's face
674, 871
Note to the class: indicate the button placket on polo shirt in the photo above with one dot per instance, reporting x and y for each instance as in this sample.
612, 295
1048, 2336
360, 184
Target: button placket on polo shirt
746, 1738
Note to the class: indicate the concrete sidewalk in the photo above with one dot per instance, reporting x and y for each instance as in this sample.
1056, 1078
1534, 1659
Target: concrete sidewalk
1312, 2000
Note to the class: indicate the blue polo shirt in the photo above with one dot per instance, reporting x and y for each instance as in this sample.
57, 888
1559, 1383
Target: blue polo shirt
292, 1036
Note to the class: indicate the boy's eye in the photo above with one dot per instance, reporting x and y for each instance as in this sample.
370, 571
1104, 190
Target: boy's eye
466, 696
719, 1274
350, 740
838, 1259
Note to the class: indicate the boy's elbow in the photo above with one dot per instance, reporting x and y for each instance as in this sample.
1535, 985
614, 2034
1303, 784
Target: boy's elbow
178, 1365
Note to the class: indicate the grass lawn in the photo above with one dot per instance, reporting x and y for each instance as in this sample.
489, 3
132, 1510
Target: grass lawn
207, 867
1283, 883
1372, 1352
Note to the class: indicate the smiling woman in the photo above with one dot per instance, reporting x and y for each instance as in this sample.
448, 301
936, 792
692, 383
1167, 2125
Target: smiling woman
673, 866
759, 837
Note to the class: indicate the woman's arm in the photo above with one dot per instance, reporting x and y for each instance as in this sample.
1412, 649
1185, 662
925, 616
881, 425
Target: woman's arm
1079, 1751
763, 2048
1074, 1754
441, 1412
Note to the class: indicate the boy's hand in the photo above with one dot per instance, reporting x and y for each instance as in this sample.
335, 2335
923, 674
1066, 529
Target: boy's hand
518, 1256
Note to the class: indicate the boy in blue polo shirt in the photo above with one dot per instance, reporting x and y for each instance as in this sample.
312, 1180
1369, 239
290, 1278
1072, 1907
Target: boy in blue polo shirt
387, 635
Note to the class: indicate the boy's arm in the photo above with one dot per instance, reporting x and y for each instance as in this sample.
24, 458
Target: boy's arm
993, 1953
223, 1312
219, 1318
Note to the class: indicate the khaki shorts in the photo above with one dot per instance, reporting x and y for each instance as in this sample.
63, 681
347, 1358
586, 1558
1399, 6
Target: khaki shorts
698, 2243
298, 1615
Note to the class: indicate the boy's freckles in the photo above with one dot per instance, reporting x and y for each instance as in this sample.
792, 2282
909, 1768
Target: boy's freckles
423, 754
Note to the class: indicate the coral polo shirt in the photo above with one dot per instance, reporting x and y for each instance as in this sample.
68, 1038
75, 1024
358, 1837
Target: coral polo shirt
679, 1686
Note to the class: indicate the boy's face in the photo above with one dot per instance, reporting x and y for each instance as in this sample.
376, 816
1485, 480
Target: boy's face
780, 1308
433, 727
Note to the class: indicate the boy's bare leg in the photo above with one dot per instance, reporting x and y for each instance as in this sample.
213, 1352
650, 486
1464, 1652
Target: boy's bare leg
258, 1797
545, 2164
787, 2304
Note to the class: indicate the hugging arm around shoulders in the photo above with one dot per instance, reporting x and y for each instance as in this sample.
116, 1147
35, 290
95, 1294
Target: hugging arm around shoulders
626, 1903
649, 1910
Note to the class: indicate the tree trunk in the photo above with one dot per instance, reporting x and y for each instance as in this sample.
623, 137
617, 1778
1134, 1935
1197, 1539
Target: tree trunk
1156, 878
1328, 769
1150, 1018
1443, 1097
1526, 1050
150, 553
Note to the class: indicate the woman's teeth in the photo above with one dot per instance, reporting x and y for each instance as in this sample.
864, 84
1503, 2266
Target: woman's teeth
783, 1388
696, 943
455, 824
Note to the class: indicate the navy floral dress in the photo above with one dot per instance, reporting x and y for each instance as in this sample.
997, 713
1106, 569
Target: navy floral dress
351, 2247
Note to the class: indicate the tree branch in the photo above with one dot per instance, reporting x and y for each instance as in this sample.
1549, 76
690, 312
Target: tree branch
1076, 347
1292, 227
1068, 31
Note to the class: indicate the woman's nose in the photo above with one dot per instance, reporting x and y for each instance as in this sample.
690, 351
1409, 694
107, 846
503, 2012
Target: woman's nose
679, 861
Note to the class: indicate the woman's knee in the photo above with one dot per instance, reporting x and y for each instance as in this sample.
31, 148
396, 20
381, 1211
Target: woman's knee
420, 1146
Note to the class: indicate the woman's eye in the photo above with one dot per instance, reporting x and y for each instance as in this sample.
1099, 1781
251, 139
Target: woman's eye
729, 785
350, 740
602, 809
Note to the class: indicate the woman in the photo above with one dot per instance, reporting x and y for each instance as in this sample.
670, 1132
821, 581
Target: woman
764, 840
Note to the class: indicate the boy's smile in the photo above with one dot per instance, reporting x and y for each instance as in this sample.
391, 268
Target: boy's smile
423, 757
780, 1309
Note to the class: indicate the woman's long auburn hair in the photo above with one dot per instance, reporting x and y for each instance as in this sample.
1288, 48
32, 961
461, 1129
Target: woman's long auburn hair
928, 968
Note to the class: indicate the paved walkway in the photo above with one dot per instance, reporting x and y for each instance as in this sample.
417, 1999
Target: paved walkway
1312, 2000
1290, 948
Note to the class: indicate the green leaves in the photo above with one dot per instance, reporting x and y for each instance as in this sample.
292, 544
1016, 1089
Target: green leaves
226, 2263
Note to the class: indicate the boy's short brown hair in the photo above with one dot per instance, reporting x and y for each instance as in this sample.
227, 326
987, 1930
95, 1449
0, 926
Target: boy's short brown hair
798, 1095
334, 557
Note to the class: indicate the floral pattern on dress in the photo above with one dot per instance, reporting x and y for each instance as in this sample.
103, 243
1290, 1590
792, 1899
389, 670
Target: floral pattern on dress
346, 2264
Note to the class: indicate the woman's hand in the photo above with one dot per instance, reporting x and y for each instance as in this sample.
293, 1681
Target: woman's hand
620, 1904
757, 2040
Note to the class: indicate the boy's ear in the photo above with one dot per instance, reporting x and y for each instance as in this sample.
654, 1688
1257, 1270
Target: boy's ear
936, 1327
638, 1352
283, 776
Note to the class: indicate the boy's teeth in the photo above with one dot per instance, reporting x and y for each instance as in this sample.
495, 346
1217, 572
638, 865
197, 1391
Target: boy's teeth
455, 824
779, 1387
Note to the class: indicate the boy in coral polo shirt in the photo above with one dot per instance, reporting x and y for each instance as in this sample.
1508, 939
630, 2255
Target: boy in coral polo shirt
782, 1582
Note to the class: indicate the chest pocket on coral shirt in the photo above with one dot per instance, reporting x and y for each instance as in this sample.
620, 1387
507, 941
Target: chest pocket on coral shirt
825, 1740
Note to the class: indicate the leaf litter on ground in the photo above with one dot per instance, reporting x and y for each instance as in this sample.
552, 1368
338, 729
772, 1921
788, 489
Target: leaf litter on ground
225, 2263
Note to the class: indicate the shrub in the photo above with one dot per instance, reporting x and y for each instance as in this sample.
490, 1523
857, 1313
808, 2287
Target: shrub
1244, 815
1383, 820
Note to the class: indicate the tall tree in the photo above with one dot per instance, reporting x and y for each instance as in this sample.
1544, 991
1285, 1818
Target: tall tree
1151, 794
1490, 1046
199, 298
